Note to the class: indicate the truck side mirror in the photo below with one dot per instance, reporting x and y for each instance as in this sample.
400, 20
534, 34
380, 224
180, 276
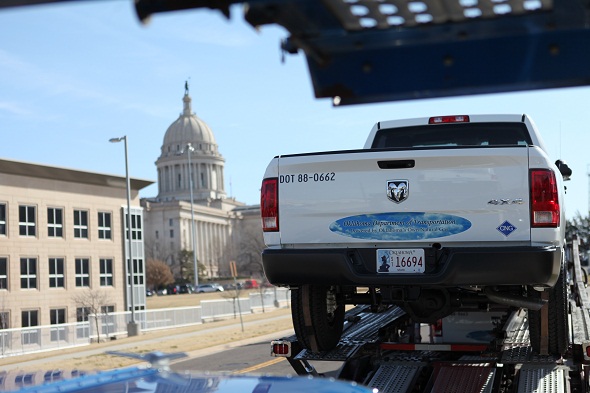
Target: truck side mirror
565, 170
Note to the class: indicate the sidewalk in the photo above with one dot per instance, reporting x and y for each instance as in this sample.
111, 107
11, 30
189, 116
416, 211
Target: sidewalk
195, 341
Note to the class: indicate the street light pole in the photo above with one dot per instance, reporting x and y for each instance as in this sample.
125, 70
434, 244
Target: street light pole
190, 149
132, 327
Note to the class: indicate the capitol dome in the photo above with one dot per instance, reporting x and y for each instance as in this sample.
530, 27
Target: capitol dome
188, 128
203, 168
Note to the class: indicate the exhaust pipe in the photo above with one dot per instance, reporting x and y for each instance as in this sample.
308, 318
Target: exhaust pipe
514, 300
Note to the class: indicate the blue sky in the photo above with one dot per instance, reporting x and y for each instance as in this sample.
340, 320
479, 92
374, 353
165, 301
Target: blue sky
74, 75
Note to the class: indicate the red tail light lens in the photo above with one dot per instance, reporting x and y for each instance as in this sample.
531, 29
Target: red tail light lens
544, 199
448, 119
437, 328
269, 204
281, 349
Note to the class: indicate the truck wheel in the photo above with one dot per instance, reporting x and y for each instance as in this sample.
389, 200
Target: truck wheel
317, 317
558, 319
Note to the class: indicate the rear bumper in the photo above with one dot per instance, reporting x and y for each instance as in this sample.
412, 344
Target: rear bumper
449, 267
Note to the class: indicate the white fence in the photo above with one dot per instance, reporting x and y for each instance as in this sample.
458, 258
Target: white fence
20, 341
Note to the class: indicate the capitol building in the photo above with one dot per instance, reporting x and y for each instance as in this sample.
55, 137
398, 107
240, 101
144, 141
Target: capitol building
190, 156
63, 231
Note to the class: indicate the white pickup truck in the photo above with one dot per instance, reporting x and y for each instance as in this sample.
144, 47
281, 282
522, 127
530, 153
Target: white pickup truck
434, 215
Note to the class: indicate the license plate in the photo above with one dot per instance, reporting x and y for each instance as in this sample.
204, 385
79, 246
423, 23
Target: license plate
407, 260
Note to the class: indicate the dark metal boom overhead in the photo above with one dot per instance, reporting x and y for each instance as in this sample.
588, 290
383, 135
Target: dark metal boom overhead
361, 51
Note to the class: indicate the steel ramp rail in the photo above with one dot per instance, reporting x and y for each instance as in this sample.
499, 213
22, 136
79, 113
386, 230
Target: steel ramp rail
580, 308
463, 377
542, 379
396, 377
516, 347
362, 328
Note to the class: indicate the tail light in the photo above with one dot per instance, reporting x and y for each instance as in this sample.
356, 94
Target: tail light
437, 328
280, 348
269, 204
544, 199
448, 119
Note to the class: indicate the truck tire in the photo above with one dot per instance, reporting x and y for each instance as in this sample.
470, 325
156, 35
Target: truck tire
558, 319
318, 318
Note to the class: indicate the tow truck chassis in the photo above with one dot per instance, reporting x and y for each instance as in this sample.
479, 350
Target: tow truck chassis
384, 350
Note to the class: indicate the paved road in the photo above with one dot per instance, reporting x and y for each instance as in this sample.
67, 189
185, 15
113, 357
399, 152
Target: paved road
250, 358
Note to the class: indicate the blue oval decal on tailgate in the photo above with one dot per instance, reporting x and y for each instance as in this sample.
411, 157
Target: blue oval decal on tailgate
400, 226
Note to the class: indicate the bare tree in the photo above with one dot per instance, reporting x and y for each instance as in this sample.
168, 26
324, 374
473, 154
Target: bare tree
158, 274
250, 250
95, 301
160, 252
232, 295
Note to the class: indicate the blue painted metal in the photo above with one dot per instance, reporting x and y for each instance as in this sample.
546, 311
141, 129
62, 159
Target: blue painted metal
136, 379
361, 51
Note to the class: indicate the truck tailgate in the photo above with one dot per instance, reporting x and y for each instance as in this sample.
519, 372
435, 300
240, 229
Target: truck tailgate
417, 196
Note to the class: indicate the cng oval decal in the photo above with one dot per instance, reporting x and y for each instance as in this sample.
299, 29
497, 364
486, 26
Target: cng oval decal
400, 226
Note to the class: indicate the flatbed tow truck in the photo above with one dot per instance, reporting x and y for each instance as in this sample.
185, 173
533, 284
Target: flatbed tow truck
384, 350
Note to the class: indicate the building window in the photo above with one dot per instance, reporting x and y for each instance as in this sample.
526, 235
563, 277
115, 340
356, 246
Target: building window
82, 272
104, 225
106, 272
82, 314
157, 234
171, 233
3, 273
56, 272
57, 316
137, 272
24, 379
3, 219
26, 221
5, 336
170, 222
54, 222
136, 226
28, 273
82, 329
81, 224
108, 322
30, 318
4, 322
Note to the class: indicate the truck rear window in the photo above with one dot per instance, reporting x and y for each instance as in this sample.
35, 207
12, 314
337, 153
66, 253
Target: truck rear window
453, 135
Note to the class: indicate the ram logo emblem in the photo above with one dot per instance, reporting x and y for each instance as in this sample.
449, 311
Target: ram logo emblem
398, 190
